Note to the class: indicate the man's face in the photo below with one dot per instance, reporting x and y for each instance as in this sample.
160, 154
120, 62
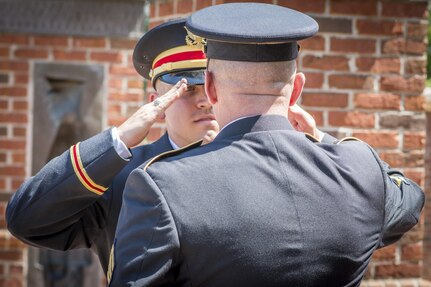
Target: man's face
190, 117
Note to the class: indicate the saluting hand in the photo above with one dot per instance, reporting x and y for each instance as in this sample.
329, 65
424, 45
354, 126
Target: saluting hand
134, 130
303, 121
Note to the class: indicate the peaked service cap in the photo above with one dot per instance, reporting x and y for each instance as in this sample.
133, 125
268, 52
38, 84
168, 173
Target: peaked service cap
252, 32
162, 53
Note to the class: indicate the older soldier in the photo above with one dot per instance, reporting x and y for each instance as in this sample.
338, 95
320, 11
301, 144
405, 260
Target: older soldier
262, 205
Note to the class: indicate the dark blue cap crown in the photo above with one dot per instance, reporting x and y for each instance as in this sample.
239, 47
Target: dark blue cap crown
254, 32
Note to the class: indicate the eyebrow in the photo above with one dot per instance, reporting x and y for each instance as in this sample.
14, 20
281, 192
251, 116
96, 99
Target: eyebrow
191, 88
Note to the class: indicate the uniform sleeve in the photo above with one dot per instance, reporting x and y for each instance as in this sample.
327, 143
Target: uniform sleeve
146, 243
404, 201
66, 203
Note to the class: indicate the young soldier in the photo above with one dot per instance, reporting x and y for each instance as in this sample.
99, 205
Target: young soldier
74, 201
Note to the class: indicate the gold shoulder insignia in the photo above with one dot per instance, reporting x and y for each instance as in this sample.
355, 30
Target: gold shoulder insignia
398, 179
172, 153
312, 138
347, 139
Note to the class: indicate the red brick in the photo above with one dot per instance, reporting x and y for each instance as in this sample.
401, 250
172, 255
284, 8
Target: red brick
16, 270
115, 83
316, 43
351, 119
11, 65
12, 282
135, 84
408, 10
116, 121
19, 131
21, 78
317, 116
11, 171
119, 70
4, 52
51, 41
378, 101
324, 99
412, 252
70, 55
16, 183
3, 160
386, 253
403, 84
379, 139
403, 270
403, 46
394, 159
19, 105
14, 39
184, 6
124, 44
363, 46
114, 110
337, 63
13, 91
10, 255
18, 158
155, 23
417, 30
90, 42
378, 65
414, 140
203, 3
354, 7
111, 57
166, 8
313, 80
350, 82
125, 97
309, 6
413, 159
414, 103
13, 118
29, 53
12, 144
379, 27
4, 104
416, 176
415, 66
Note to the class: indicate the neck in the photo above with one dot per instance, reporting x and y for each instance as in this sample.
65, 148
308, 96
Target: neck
250, 105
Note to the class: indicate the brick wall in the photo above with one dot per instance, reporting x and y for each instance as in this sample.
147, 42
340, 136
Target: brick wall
365, 76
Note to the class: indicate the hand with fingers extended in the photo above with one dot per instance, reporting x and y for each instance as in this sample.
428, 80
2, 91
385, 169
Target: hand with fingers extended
303, 121
134, 130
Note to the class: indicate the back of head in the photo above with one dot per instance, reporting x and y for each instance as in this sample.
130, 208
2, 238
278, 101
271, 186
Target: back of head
251, 50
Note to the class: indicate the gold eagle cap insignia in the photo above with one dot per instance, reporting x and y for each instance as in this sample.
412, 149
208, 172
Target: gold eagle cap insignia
194, 40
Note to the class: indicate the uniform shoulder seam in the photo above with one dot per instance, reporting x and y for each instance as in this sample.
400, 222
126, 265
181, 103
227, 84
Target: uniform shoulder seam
170, 153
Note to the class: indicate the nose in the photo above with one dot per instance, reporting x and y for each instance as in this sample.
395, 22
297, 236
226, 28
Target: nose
202, 101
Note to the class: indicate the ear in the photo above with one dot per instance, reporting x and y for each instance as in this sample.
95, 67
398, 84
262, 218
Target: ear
210, 90
298, 85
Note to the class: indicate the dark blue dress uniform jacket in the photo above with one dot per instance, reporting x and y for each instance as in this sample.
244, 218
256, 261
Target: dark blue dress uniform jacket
262, 205
54, 209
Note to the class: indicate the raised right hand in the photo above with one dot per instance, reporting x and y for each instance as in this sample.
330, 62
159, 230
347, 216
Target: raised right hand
134, 130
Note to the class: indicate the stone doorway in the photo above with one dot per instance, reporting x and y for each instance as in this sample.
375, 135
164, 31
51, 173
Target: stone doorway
67, 108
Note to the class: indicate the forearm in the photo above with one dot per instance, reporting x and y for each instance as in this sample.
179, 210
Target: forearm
66, 189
